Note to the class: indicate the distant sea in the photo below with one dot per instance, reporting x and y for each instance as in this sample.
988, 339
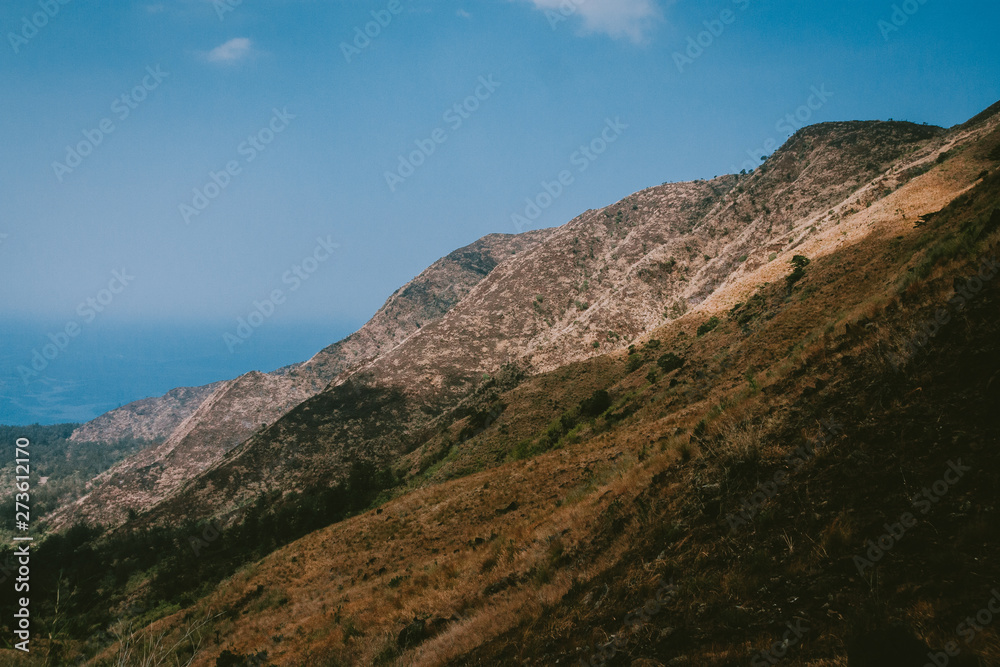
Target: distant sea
108, 365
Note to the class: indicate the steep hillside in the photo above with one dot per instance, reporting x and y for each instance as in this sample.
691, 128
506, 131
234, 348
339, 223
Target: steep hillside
795, 462
220, 416
422, 301
222, 421
806, 419
593, 285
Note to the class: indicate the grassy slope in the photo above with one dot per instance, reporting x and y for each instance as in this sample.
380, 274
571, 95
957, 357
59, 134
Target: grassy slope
794, 560
537, 560
595, 525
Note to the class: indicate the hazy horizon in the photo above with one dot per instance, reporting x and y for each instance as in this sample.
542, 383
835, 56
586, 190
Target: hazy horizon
116, 363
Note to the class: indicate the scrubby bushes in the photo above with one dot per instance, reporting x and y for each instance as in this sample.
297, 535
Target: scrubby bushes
596, 404
178, 560
669, 362
800, 262
708, 326
566, 427
634, 362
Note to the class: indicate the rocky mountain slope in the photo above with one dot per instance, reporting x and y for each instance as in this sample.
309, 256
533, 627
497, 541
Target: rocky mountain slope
147, 419
786, 362
591, 286
844, 382
200, 425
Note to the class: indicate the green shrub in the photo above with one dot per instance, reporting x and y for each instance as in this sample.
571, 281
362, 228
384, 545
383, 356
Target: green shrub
800, 262
229, 659
596, 404
555, 431
669, 362
524, 449
708, 326
635, 362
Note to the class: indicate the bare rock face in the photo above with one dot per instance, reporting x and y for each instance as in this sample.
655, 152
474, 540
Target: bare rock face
609, 275
200, 425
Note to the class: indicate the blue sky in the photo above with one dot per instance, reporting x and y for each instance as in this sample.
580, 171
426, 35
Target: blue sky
302, 131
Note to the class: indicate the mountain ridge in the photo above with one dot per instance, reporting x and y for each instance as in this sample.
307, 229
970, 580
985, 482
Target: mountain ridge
194, 436
796, 352
525, 312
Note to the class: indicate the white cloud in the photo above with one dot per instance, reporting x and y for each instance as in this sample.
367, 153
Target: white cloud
233, 50
631, 19
464, 14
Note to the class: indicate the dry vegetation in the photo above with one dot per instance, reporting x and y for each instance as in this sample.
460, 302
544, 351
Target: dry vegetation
531, 541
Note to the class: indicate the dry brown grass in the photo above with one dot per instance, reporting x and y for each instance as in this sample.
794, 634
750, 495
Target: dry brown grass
448, 550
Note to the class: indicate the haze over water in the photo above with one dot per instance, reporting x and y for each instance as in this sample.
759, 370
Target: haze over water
111, 364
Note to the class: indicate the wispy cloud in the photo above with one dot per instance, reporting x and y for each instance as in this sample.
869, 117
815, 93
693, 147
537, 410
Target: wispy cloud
629, 19
233, 50
464, 14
